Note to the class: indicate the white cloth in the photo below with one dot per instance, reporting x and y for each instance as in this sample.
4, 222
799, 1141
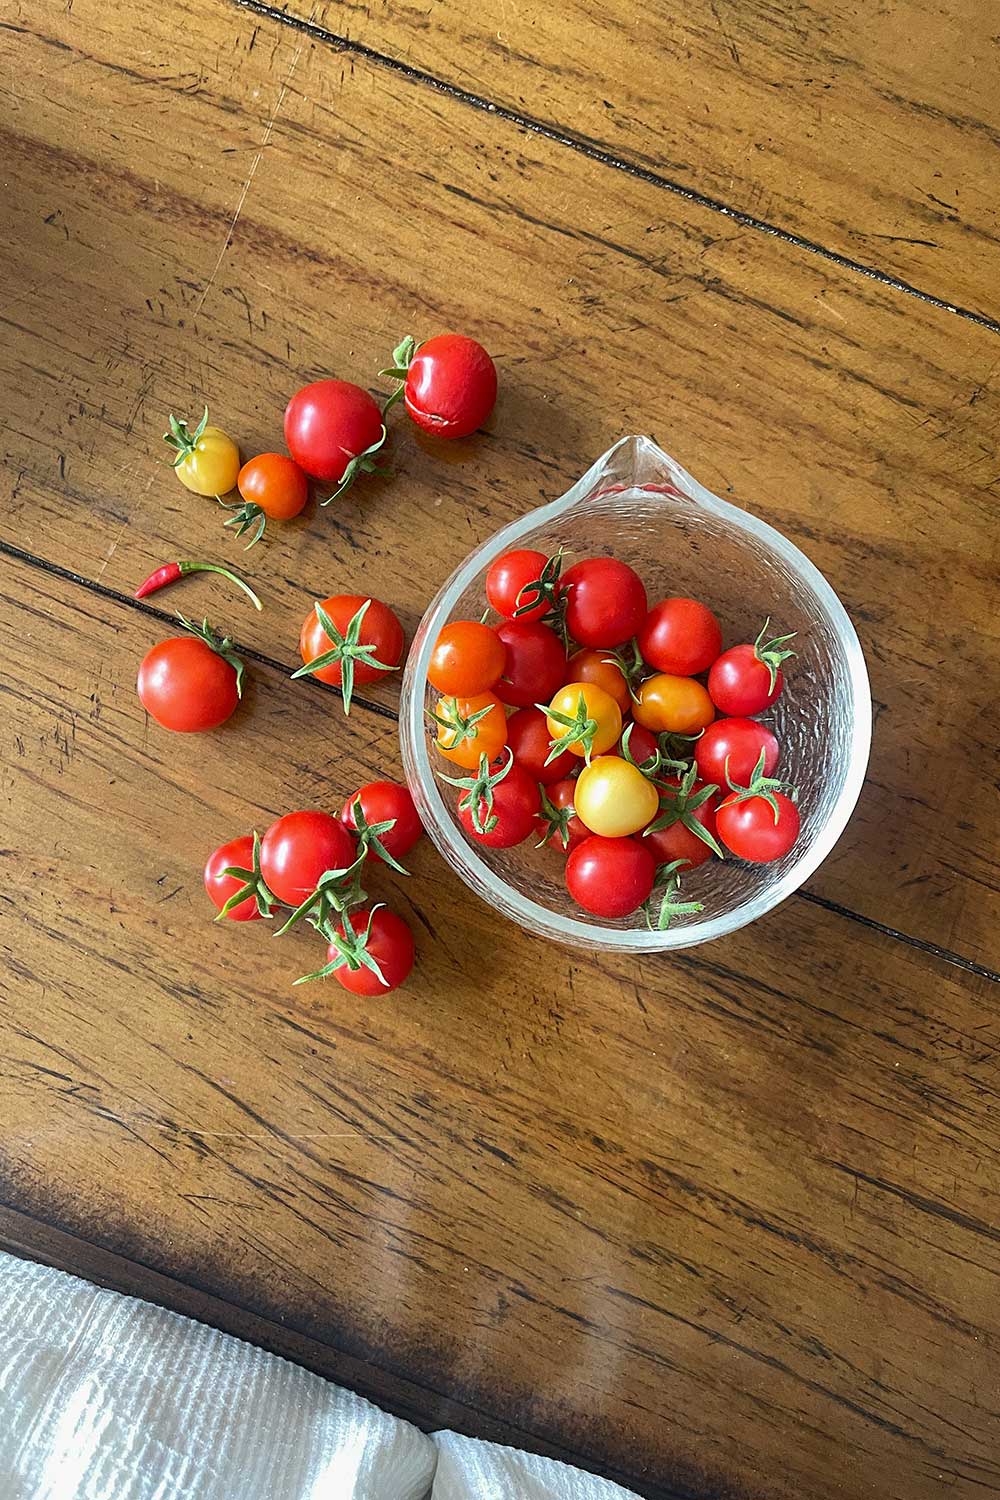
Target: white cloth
105, 1397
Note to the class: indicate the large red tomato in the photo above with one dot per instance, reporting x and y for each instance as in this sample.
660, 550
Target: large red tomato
330, 426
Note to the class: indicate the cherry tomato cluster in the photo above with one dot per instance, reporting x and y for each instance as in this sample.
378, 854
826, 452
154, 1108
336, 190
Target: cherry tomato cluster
632, 747
309, 866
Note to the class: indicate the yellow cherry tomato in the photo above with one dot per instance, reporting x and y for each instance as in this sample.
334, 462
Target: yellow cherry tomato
207, 461
583, 719
613, 798
679, 705
470, 727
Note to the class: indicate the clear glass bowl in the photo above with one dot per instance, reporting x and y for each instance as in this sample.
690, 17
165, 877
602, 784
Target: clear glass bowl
638, 505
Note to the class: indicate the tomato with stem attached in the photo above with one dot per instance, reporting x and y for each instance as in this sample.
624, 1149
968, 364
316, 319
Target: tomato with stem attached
614, 798
206, 461
685, 827
468, 658
677, 705
193, 682
534, 666
499, 804
301, 847
600, 668
528, 738
272, 487
563, 827
222, 887
512, 579
759, 822
730, 748
605, 601
385, 814
610, 877
333, 429
747, 679
470, 727
583, 719
371, 952
348, 641
448, 383
681, 636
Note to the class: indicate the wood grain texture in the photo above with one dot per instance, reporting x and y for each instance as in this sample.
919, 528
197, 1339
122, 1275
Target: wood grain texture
870, 130
723, 1223
312, 206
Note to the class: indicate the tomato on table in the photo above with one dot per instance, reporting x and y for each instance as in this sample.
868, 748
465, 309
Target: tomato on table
590, 665
528, 738
468, 728
605, 601
448, 383
300, 847
535, 664
333, 429
237, 854
371, 952
191, 683
468, 659
562, 824
384, 802
610, 877
678, 705
207, 460
272, 487
512, 578
615, 799
348, 641
583, 719
747, 679
729, 750
680, 636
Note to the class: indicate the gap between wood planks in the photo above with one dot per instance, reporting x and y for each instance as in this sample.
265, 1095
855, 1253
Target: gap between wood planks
595, 152
18, 554
31, 1237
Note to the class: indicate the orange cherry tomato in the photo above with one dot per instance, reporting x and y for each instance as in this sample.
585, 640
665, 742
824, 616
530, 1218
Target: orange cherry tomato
275, 484
679, 705
593, 665
591, 712
463, 742
468, 659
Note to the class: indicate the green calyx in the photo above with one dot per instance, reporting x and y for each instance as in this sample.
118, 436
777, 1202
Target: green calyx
182, 439
221, 645
362, 463
628, 659
679, 805
253, 885
772, 653
336, 892
556, 820
352, 951
545, 588
663, 905
370, 836
460, 727
579, 729
347, 648
653, 764
248, 516
478, 789
761, 786
402, 358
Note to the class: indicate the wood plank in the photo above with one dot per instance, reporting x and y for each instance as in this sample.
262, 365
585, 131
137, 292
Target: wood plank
859, 421
724, 1220
871, 131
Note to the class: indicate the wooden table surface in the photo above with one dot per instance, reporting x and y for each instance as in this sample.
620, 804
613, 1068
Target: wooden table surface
720, 1225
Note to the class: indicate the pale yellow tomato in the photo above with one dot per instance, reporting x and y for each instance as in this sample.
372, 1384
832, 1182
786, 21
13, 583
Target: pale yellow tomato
207, 461
679, 705
613, 798
583, 719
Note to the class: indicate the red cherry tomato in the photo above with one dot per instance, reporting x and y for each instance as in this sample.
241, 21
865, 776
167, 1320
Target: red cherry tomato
642, 745
380, 802
528, 740
560, 819
451, 386
680, 636
535, 663
678, 839
186, 686
516, 804
467, 659
729, 749
380, 630
508, 575
747, 679
610, 877
606, 601
749, 827
328, 425
299, 848
389, 942
274, 484
238, 853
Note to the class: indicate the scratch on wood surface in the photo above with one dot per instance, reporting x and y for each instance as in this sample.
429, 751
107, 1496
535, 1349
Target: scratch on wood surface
268, 128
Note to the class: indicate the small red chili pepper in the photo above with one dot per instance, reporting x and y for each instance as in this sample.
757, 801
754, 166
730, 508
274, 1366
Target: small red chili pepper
170, 572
